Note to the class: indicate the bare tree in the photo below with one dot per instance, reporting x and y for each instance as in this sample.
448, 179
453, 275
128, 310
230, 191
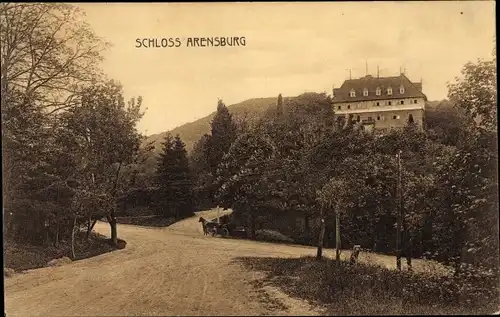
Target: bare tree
47, 53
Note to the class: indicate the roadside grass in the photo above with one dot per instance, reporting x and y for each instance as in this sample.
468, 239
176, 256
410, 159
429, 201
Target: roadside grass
367, 289
21, 257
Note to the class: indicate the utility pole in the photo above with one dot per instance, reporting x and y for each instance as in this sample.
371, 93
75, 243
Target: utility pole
400, 213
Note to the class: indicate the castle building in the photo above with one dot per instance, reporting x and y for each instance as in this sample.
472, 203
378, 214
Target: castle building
380, 103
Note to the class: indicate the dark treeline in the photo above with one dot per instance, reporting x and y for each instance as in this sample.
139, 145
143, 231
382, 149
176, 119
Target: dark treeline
297, 163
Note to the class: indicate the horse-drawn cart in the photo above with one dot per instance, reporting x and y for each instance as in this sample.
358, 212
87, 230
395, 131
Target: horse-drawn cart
220, 229
214, 228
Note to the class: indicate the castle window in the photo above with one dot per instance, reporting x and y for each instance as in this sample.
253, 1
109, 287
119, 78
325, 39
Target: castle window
415, 101
370, 119
358, 119
378, 117
340, 107
410, 118
389, 103
353, 93
378, 103
401, 90
402, 102
395, 117
379, 91
389, 91
348, 106
365, 92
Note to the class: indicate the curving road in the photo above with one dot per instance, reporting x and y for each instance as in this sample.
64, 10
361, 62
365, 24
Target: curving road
162, 271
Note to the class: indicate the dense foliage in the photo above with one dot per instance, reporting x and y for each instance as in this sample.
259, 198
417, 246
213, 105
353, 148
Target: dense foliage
297, 164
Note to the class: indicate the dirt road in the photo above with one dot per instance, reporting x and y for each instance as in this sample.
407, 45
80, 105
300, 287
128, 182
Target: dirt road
162, 271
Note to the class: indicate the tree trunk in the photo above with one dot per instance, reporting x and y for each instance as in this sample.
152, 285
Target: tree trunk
337, 237
252, 226
73, 239
89, 224
56, 242
112, 224
47, 240
319, 253
89, 229
408, 256
114, 232
112, 216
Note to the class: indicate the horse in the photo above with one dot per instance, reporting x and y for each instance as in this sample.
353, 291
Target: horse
208, 227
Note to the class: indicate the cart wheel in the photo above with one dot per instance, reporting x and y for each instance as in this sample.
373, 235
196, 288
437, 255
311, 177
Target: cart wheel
214, 232
225, 232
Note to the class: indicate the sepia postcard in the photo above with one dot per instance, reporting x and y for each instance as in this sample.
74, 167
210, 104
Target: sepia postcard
250, 158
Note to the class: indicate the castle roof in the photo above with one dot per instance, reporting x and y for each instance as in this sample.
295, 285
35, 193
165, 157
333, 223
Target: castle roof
411, 90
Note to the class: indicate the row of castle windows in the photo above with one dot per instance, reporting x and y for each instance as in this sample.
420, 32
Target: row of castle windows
395, 117
389, 103
378, 92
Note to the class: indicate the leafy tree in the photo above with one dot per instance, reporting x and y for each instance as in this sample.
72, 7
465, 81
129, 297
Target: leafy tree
103, 128
242, 178
476, 93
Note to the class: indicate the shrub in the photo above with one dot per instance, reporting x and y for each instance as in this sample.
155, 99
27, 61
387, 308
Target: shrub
271, 236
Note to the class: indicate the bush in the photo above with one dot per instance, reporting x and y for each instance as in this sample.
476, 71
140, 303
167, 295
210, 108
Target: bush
271, 236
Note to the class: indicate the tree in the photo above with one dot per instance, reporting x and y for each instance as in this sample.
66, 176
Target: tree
48, 53
243, 177
174, 180
200, 169
335, 194
464, 201
104, 130
223, 134
445, 123
476, 93
48, 56
279, 105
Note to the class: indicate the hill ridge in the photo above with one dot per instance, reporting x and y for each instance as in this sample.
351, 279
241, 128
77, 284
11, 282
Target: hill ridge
191, 132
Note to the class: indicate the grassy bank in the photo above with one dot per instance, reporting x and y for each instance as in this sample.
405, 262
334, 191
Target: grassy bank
21, 257
366, 289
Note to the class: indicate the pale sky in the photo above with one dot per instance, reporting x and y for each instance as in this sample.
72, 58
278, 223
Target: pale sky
291, 48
